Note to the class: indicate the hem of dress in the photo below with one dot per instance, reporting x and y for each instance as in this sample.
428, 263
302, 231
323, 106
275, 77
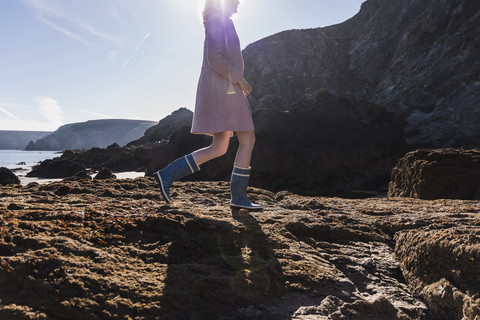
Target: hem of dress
210, 133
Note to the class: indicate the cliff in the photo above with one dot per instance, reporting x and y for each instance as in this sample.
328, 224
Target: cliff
93, 133
417, 59
18, 140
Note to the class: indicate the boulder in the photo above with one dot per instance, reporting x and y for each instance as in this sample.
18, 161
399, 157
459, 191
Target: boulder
105, 173
8, 177
84, 174
437, 174
56, 168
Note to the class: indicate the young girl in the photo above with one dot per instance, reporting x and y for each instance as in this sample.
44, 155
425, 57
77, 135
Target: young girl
221, 106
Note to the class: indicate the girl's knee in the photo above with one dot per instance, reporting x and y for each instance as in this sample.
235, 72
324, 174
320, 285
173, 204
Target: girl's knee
220, 148
247, 139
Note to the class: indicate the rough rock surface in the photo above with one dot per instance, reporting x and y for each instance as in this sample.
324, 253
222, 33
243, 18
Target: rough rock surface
418, 59
437, 174
8, 177
111, 249
441, 262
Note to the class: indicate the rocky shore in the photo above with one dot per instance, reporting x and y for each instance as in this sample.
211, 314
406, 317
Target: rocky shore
112, 249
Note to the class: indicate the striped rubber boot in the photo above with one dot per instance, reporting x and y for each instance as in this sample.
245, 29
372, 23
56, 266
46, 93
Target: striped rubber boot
238, 187
175, 170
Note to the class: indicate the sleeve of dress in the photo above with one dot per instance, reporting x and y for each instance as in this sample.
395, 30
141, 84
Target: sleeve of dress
216, 48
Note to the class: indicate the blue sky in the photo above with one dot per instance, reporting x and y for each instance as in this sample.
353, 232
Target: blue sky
65, 61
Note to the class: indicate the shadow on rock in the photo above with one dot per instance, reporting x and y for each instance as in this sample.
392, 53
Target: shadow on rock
217, 270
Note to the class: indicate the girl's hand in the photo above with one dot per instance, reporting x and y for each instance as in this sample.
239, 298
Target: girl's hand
245, 86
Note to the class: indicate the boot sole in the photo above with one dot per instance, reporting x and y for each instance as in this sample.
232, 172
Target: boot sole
162, 190
246, 208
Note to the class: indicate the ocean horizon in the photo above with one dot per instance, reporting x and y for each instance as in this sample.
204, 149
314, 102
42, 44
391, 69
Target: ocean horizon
13, 159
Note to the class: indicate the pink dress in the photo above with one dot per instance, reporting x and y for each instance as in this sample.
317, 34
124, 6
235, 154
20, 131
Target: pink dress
220, 104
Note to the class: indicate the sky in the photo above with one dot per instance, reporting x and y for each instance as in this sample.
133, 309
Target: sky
66, 61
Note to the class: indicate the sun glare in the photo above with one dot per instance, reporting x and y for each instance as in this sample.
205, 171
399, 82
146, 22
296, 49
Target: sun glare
190, 6
199, 5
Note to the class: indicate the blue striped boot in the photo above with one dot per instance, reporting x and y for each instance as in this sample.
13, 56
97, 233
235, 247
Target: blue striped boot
238, 187
175, 170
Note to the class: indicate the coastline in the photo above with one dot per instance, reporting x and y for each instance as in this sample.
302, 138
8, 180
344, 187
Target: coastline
21, 163
120, 175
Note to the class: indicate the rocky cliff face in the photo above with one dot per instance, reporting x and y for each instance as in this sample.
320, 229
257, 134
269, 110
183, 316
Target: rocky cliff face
18, 140
418, 59
94, 133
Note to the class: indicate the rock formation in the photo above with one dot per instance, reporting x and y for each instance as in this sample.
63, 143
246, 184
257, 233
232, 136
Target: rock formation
56, 168
93, 133
8, 177
112, 249
18, 140
437, 174
105, 173
417, 59
116, 159
326, 145
180, 119
440, 262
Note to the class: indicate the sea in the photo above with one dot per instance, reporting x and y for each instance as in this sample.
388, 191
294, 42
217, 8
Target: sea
21, 163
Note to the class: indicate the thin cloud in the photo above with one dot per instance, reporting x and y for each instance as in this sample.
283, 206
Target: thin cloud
50, 109
100, 34
8, 113
48, 10
63, 30
135, 51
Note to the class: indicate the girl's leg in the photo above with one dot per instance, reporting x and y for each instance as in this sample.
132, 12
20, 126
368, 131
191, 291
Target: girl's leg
246, 140
191, 163
241, 172
218, 148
